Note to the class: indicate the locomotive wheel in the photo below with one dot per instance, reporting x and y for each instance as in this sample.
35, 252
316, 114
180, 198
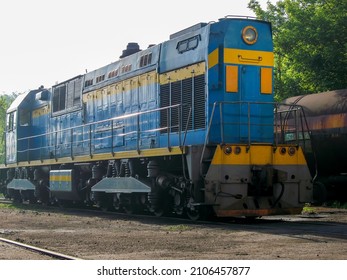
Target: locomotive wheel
158, 212
28, 196
193, 214
104, 202
105, 208
129, 203
179, 211
43, 193
17, 198
128, 209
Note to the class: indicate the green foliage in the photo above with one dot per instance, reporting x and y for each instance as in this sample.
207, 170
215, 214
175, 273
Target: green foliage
339, 204
309, 44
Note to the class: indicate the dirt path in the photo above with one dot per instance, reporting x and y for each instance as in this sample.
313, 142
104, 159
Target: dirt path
94, 235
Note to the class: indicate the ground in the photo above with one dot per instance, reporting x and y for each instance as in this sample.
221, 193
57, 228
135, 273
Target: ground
321, 234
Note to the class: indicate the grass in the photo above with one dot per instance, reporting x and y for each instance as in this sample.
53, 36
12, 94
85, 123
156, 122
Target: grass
308, 209
21, 206
8, 206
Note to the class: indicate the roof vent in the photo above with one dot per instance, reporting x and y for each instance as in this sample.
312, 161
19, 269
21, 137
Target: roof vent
131, 48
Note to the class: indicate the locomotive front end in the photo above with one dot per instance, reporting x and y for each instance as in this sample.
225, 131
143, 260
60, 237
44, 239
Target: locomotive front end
251, 173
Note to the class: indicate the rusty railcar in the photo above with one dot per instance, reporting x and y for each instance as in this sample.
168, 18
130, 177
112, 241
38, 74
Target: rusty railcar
326, 115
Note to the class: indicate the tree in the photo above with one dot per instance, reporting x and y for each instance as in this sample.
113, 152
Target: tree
309, 44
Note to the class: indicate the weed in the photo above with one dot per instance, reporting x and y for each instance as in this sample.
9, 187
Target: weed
308, 209
7, 206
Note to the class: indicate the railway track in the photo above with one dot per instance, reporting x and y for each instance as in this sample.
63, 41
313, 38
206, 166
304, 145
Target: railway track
41, 251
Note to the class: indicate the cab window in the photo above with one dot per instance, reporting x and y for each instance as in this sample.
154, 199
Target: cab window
11, 121
24, 118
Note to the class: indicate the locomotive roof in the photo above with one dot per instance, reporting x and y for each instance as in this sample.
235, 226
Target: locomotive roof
16, 103
24, 99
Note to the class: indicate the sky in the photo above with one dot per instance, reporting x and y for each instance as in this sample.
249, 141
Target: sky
44, 42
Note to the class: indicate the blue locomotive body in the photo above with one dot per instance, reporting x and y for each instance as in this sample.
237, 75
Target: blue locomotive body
148, 129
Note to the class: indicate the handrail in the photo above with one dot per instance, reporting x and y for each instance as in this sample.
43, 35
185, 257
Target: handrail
108, 126
280, 125
107, 120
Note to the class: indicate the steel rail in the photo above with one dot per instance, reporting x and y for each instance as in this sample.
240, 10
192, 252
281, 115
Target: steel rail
5, 201
49, 253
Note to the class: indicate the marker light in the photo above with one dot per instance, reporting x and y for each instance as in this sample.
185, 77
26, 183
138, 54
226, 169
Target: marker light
237, 150
291, 151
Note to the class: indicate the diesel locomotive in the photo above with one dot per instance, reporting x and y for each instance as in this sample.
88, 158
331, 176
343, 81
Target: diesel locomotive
185, 126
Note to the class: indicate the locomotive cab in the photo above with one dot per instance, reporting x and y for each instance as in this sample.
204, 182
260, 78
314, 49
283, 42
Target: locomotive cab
23, 120
17, 126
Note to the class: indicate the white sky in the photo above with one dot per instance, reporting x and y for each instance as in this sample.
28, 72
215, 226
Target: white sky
47, 41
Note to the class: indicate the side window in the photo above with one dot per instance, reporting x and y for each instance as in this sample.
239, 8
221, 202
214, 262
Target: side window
11, 123
59, 96
24, 118
67, 95
188, 44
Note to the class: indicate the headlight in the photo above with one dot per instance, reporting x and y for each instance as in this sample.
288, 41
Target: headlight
249, 35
